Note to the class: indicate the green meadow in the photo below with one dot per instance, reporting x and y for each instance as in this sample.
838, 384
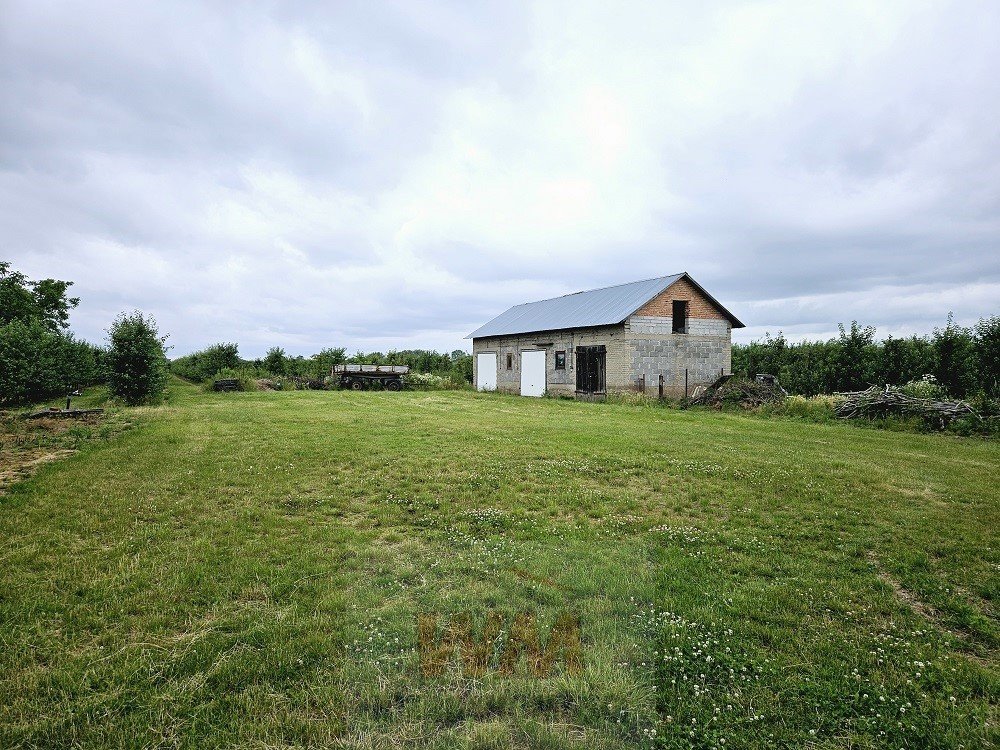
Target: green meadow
248, 570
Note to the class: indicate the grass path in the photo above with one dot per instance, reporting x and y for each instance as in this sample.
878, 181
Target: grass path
247, 570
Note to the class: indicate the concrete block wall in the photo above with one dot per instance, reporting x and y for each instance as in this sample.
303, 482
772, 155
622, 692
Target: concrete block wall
559, 382
704, 352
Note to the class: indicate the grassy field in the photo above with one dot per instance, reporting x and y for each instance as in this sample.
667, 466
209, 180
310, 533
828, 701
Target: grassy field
247, 570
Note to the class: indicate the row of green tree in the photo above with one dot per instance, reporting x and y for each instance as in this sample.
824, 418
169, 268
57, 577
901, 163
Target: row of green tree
207, 363
40, 358
964, 361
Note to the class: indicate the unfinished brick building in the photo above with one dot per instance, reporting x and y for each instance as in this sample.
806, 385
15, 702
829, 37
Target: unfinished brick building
623, 337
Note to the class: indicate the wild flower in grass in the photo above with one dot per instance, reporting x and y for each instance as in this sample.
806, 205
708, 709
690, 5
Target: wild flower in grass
703, 675
378, 642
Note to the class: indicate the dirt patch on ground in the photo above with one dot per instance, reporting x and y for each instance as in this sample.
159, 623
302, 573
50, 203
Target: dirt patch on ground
28, 444
20, 466
910, 599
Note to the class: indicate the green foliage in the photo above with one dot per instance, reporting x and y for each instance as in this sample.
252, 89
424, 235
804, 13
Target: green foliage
204, 364
37, 363
275, 361
277, 364
987, 343
954, 358
246, 375
321, 364
461, 365
808, 408
962, 361
25, 300
136, 360
39, 359
457, 365
925, 387
428, 381
855, 356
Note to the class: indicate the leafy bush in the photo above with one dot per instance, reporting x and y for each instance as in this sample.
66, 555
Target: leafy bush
205, 363
963, 361
954, 362
137, 362
988, 356
275, 361
39, 358
37, 363
425, 381
925, 387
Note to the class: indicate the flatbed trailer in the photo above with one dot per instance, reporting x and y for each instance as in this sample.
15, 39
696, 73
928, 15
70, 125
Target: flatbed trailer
362, 377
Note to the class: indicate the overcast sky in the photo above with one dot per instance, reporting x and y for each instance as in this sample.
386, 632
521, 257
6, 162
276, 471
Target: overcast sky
382, 175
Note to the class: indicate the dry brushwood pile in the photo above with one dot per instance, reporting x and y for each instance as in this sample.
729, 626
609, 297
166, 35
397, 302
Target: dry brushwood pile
882, 401
740, 392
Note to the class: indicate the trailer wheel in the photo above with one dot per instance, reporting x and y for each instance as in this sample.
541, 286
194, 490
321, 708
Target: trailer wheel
394, 385
357, 385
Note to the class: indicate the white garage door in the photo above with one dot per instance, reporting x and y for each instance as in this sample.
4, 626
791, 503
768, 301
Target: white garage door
532, 373
486, 371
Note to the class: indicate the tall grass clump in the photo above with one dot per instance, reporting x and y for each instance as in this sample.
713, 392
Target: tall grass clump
807, 408
635, 398
427, 381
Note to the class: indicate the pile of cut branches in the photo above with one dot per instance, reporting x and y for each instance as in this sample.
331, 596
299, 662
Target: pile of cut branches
888, 400
748, 394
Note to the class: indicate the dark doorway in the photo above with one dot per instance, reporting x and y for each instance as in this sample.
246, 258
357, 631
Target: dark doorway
590, 365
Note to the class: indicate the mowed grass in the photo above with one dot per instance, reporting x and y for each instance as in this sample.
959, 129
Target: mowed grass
246, 570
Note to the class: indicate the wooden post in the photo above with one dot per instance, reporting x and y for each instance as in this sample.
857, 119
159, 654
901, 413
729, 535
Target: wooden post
661, 385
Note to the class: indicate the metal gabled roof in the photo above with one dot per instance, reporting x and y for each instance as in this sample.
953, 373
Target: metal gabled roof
597, 307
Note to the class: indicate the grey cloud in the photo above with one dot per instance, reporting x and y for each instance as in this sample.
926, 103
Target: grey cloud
357, 174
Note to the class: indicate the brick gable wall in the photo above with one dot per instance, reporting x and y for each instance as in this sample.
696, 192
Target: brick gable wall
698, 305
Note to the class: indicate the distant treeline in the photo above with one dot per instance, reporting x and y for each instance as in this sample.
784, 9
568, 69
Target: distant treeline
208, 363
964, 361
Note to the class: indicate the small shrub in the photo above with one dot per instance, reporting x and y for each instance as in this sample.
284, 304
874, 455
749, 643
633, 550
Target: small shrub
425, 381
924, 387
275, 361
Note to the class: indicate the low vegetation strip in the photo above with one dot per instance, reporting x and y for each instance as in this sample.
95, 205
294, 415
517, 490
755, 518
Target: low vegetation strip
252, 569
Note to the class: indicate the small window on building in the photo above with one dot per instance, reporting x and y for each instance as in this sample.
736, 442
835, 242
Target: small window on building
510, 361
680, 316
560, 360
